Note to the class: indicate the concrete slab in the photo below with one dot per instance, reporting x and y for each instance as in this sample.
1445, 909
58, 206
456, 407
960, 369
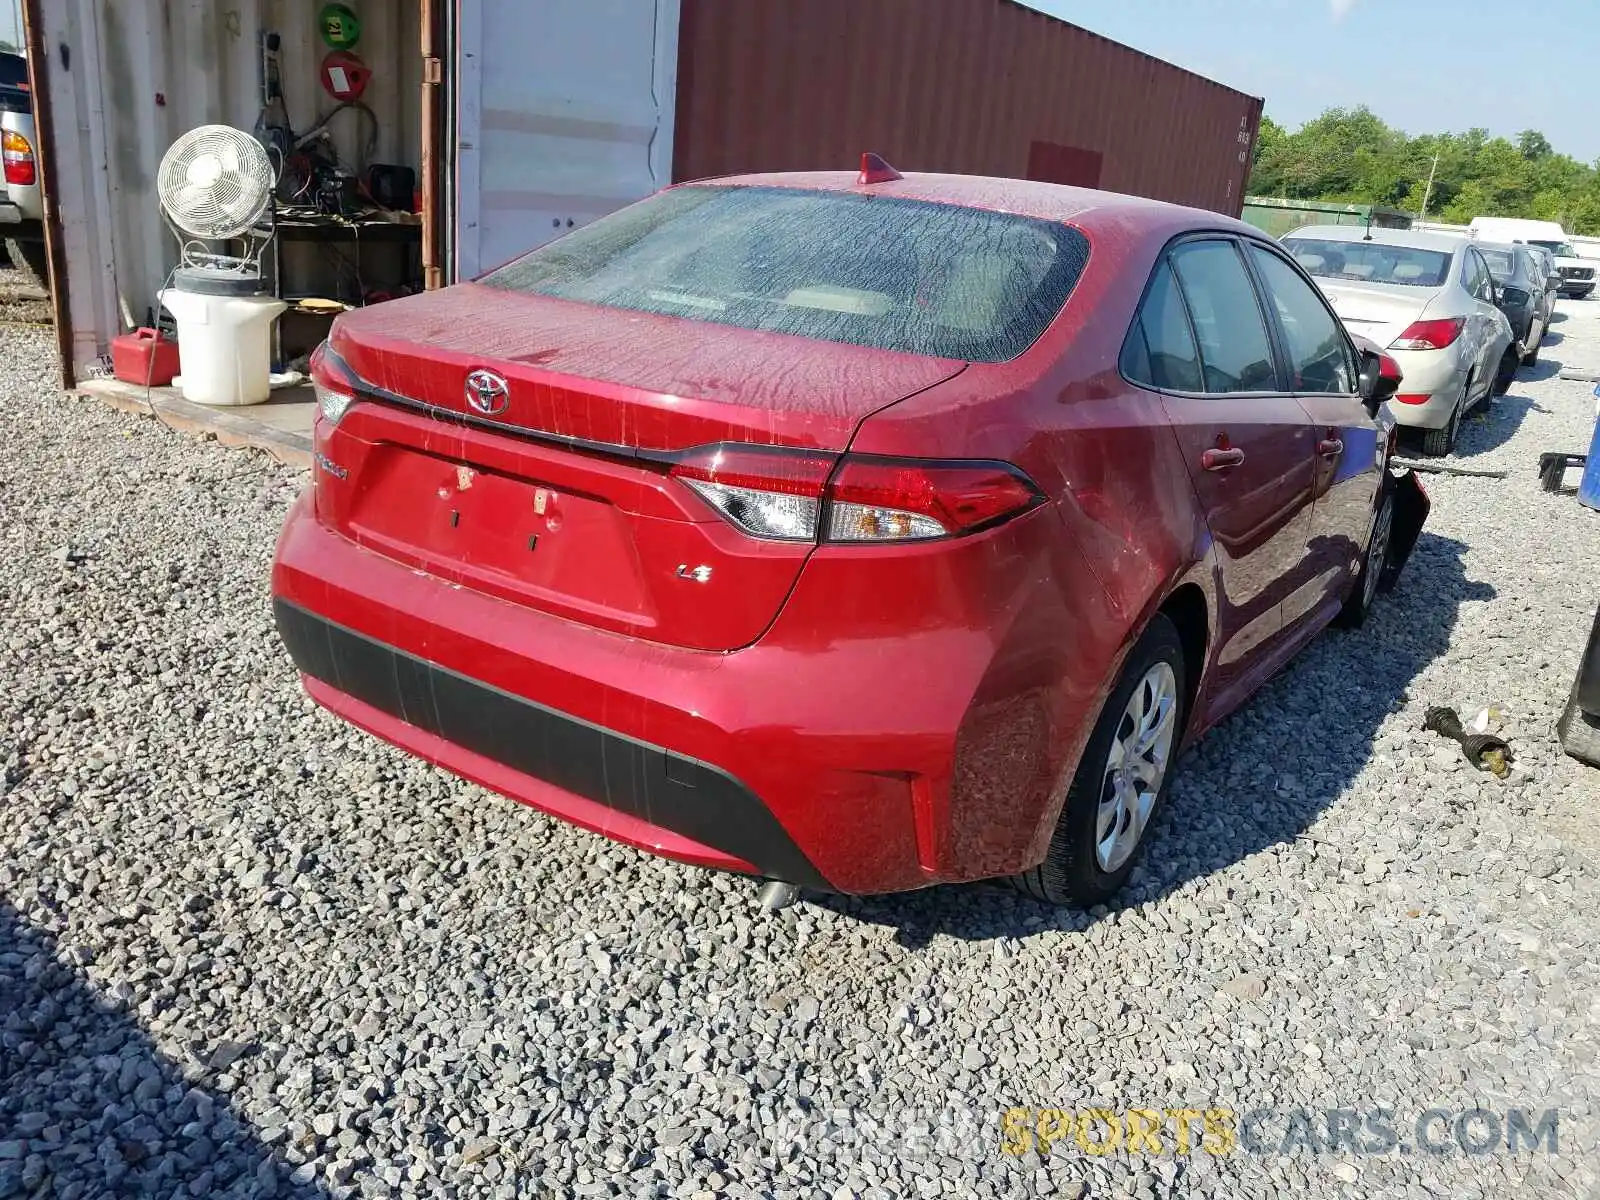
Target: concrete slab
281, 426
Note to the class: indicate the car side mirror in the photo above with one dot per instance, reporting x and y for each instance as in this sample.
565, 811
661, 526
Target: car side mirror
1379, 380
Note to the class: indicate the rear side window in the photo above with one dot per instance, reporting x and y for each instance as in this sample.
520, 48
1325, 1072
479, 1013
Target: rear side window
906, 275
1476, 275
1235, 354
1318, 353
1160, 350
1501, 264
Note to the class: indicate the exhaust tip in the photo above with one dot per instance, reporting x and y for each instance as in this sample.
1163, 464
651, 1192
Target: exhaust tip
775, 895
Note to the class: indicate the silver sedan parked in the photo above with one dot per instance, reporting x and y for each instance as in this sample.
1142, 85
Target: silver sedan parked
1430, 299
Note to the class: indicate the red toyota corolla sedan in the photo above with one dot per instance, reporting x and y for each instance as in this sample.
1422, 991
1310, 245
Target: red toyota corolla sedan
857, 532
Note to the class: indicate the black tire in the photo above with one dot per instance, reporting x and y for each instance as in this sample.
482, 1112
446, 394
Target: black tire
1578, 732
1436, 443
1505, 373
1070, 873
30, 261
1359, 603
1532, 356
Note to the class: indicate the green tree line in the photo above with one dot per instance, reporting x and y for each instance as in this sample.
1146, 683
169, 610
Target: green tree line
1351, 156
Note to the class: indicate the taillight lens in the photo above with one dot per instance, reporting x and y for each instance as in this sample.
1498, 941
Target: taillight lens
887, 500
18, 155
787, 495
1412, 398
334, 396
1429, 335
768, 493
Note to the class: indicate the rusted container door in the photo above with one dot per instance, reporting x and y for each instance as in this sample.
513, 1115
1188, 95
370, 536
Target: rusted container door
983, 87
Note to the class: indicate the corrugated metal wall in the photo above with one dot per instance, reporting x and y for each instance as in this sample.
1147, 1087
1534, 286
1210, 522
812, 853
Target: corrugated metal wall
165, 66
973, 86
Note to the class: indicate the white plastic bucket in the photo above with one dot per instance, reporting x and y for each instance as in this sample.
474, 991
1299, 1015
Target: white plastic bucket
224, 345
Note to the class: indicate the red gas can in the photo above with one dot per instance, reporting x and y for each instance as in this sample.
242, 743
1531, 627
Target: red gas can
144, 357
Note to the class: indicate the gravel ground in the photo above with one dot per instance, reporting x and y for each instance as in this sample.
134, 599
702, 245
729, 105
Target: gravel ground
21, 302
245, 950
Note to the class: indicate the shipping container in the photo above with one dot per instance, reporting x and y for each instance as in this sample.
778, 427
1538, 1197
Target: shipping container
977, 87
123, 80
526, 118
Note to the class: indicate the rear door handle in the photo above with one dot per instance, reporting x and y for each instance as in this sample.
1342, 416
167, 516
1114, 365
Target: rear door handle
1220, 460
1330, 447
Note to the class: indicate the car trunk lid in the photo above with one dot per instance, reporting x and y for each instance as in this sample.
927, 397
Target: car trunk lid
1376, 311
560, 500
626, 380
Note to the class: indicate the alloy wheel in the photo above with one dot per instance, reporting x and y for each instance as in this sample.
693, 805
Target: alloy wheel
1377, 551
1136, 766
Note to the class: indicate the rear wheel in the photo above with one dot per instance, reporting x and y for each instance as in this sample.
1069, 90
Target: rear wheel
1436, 443
1506, 372
1122, 778
1359, 603
1535, 327
29, 258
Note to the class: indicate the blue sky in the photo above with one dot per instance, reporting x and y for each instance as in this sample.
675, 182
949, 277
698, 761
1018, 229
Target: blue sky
1422, 65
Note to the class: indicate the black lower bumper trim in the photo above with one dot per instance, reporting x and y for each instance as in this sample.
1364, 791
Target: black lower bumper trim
684, 795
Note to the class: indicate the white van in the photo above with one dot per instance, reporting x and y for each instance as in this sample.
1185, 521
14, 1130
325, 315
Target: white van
1577, 274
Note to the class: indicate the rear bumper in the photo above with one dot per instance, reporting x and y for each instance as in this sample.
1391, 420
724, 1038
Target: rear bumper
592, 776
1437, 374
820, 755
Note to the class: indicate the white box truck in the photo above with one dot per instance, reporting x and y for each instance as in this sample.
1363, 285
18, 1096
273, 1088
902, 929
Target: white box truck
1577, 274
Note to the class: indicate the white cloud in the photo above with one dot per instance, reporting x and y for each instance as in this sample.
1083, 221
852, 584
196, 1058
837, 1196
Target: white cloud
1339, 9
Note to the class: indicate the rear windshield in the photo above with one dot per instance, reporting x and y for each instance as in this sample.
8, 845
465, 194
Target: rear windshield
1371, 262
906, 275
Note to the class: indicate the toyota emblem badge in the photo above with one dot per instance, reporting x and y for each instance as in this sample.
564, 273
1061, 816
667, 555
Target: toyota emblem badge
487, 393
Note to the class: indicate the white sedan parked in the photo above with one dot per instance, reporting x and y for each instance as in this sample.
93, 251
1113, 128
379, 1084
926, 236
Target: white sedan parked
1430, 299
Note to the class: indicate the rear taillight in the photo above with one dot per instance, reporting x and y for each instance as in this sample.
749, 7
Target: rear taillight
18, 155
1429, 335
886, 500
789, 495
332, 388
768, 493
1412, 398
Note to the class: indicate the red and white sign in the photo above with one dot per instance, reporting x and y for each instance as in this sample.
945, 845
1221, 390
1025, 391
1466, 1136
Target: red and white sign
345, 76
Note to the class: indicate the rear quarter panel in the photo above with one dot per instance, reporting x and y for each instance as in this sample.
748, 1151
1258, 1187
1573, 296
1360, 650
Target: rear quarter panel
1127, 534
